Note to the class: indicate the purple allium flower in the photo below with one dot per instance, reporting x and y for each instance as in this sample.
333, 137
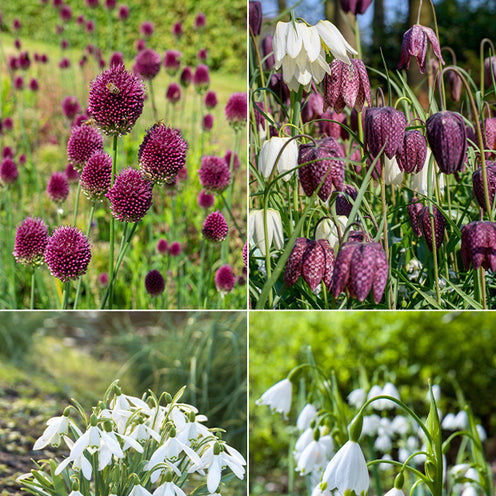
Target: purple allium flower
245, 254
175, 248
8, 171
172, 61
447, 138
130, 196
361, 268
479, 245
236, 110
489, 70
90, 48
268, 53
201, 78
202, 54
147, 63
13, 64
147, 28
90, 26
44, 58
414, 208
80, 20
7, 152
347, 85
200, 20
65, 13
16, 24
215, 227
92, 3
313, 260
23, 61
110, 4
343, 204
123, 12
162, 246
205, 200
96, 176
177, 30
186, 77
255, 17
384, 125
214, 174
424, 219
162, 153
140, 45
30, 241
70, 107
102, 63
58, 187
326, 162
116, 100
415, 45
225, 279
103, 279
22, 159
19, 83
411, 155
355, 6
65, 63
154, 283
454, 83
71, 174
478, 184
58, 3
84, 141
68, 253
183, 173
59, 29
210, 99
235, 159
17, 43
80, 120
116, 59
8, 123
173, 93
208, 122
33, 84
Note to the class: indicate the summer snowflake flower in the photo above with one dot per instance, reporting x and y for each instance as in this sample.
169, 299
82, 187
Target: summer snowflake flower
315, 455
394, 492
278, 397
358, 396
305, 417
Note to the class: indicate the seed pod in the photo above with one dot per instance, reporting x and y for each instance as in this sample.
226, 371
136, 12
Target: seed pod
447, 138
411, 157
424, 219
414, 208
479, 245
478, 184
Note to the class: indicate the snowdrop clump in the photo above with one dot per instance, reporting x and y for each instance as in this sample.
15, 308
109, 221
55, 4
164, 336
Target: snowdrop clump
133, 446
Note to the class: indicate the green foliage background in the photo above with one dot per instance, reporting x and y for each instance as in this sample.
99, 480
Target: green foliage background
224, 35
449, 348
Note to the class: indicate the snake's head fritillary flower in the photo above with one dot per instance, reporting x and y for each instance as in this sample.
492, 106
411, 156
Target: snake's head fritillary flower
147, 28
210, 99
278, 397
58, 187
205, 200
489, 134
172, 61
70, 107
478, 184
186, 77
415, 45
175, 248
347, 84
420, 181
68, 253
84, 141
279, 87
162, 153
447, 137
215, 228
424, 219
275, 232
392, 172
454, 84
312, 107
268, 53
479, 245
214, 174
343, 203
355, 6
96, 176
489, 70
116, 100
8, 172
130, 197
236, 110
225, 279
326, 166
201, 78
330, 231
255, 17
173, 93
278, 152
30, 241
413, 209
413, 152
147, 63
154, 283
162, 246
123, 13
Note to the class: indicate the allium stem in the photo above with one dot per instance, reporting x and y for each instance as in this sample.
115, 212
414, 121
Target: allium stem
33, 281
67, 289
200, 279
10, 223
110, 287
202, 132
152, 94
229, 211
76, 203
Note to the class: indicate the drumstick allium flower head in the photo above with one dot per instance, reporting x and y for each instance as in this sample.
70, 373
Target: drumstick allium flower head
30, 241
84, 141
58, 187
96, 176
214, 174
215, 228
147, 63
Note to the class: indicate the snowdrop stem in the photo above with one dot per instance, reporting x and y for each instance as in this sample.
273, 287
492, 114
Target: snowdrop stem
493, 51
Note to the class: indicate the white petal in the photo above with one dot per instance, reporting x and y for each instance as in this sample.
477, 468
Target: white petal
294, 42
279, 41
214, 474
311, 42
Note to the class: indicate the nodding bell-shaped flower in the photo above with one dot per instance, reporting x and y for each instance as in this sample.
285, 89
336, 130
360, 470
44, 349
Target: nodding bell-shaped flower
413, 209
357, 397
384, 126
479, 245
478, 184
307, 414
274, 229
314, 456
392, 172
419, 181
424, 219
415, 45
489, 134
255, 17
411, 156
347, 84
334, 41
454, 83
489, 70
269, 154
355, 6
278, 397
395, 492
326, 166
447, 137
361, 268
343, 203
328, 230
313, 260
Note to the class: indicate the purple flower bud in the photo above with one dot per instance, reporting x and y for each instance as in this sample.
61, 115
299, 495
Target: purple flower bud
84, 141
110, 4
384, 126
7, 152
200, 20
23, 61
96, 176
235, 160
33, 84
16, 24
71, 107
71, 174
255, 17
172, 61
324, 165
147, 28
154, 283
355, 6
343, 205
65, 13
30, 242
177, 29
92, 3
173, 93
415, 45
116, 59
454, 84
478, 184
123, 13
214, 174
411, 155
65, 63
8, 171
225, 279
236, 110
346, 85
489, 70
424, 219
268, 53
19, 83
147, 63
162, 246
333, 129
489, 134
312, 108
90, 26
208, 122
279, 87
215, 228
58, 187
447, 138
210, 99
205, 200
479, 245
201, 78
413, 209
175, 248
202, 54
140, 45
186, 77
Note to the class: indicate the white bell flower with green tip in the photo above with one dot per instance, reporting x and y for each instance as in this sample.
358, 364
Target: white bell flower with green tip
278, 397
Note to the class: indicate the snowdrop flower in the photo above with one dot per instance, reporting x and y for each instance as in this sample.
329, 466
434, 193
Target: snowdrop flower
358, 396
77, 493
400, 425
269, 154
390, 390
334, 41
168, 489
469, 490
315, 455
278, 397
347, 471
305, 417
370, 425
139, 491
482, 432
392, 173
57, 427
274, 229
326, 229
394, 492
436, 392
419, 181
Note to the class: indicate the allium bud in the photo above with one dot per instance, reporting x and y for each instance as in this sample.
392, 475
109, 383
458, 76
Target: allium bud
479, 245
154, 283
489, 70
58, 187
70, 107
8, 171
201, 78
162, 154
140, 45
84, 141
65, 13
454, 84
116, 100
327, 166
347, 84
65, 63
210, 99
415, 45
384, 126
225, 279
175, 248
7, 152
411, 156
447, 138
215, 227
71, 174
162, 246
19, 83
478, 184
123, 13
68, 253
30, 241
255, 17
186, 77
235, 160
177, 29
96, 176
200, 20
202, 54
147, 28
173, 93
208, 122
424, 219
355, 6
236, 110
214, 174
205, 200
413, 209
116, 59
103, 279
23, 61
361, 268
343, 204
147, 63
172, 61
130, 197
